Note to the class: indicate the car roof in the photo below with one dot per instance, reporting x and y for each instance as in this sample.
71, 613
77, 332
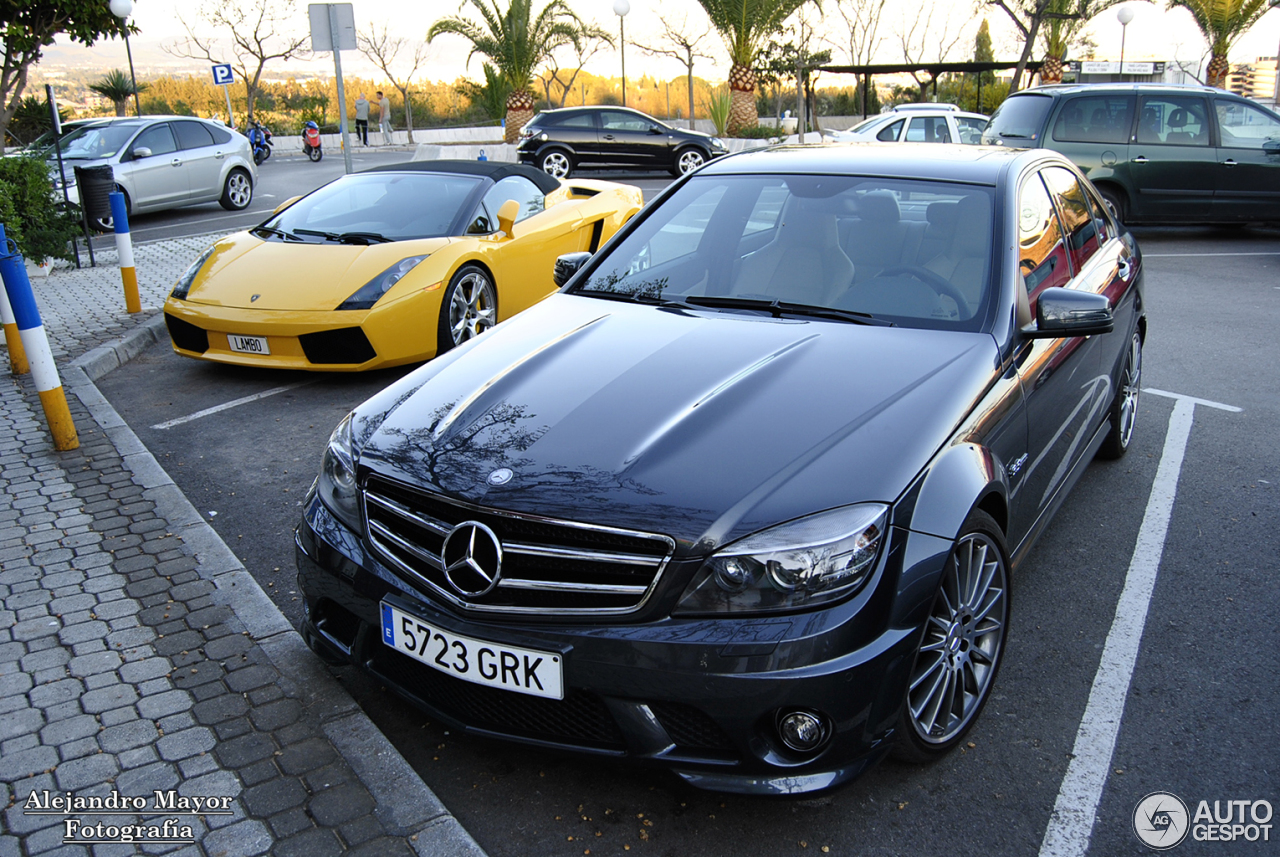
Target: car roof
493, 170
928, 161
1069, 88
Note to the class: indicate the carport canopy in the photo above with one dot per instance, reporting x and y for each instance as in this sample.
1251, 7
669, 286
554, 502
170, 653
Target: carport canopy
935, 70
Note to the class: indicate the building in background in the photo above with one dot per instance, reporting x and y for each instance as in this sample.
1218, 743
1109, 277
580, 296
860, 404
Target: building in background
1256, 80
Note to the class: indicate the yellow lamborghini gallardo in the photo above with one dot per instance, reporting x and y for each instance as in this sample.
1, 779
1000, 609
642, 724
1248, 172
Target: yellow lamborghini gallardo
388, 266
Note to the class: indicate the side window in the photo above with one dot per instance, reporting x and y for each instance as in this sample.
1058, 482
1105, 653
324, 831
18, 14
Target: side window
611, 121
928, 129
970, 129
1175, 120
582, 120
221, 136
1095, 119
891, 133
518, 188
192, 135
1078, 220
1042, 255
1244, 126
157, 138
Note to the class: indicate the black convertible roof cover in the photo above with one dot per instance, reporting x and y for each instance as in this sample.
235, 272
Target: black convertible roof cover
494, 170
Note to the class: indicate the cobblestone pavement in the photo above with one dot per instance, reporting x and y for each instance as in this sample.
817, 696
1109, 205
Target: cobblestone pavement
136, 653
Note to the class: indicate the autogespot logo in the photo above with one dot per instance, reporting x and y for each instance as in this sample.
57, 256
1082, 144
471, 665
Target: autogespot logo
1160, 820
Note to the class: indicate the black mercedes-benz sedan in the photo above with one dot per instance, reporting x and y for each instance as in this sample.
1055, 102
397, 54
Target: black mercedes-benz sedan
562, 141
745, 497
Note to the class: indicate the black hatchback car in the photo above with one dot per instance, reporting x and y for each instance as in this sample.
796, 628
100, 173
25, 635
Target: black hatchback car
1156, 153
744, 498
561, 141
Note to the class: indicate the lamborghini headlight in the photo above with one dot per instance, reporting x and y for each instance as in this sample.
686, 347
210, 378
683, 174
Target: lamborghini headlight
337, 482
370, 292
800, 564
184, 282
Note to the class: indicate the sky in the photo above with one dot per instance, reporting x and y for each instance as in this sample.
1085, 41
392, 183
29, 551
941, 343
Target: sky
1154, 34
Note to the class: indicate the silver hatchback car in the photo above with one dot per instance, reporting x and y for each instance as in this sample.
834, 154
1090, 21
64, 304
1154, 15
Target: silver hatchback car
164, 161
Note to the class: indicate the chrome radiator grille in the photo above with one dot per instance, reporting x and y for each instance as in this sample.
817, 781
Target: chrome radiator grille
548, 566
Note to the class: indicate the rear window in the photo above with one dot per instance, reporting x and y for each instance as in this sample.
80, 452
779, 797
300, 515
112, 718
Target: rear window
1095, 119
1017, 122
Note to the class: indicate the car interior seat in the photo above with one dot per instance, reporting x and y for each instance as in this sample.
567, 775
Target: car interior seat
1179, 119
965, 262
804, 263
1149, 126
940, 226
1071, 125
877, 237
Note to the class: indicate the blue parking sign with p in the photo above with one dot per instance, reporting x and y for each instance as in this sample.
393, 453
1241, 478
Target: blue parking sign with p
222, 74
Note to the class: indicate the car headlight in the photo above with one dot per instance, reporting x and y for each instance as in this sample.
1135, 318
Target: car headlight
336, 484
800, 564
368, 294
184, 282
718, 143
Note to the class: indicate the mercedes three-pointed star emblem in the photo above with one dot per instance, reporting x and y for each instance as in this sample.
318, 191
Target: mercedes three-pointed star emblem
472, 559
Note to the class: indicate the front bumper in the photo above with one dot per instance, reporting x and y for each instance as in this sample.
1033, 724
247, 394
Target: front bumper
698, 695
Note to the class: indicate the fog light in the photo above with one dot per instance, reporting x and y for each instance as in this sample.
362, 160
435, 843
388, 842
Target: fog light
802, 731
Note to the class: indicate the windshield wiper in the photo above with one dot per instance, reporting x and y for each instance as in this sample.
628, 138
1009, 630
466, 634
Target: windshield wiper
1014, 136
348, 237
287, 236
777, 308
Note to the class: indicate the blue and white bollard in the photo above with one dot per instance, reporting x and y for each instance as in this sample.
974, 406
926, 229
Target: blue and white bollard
13, 271
17, 356
124, 249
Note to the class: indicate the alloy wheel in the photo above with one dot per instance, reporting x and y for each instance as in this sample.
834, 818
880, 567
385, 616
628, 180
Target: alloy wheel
556, 164
962, 642
238, 190
690, 161
1131, 388
472, 307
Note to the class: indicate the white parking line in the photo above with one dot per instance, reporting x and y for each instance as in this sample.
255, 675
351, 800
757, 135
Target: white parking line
1071, 824
234, 403
1185, 255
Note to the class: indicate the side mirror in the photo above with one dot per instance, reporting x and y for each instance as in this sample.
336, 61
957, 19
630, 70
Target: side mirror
288, 202
654, 129
507, 215
142, 152
1271, 147
1063, 313
568, 265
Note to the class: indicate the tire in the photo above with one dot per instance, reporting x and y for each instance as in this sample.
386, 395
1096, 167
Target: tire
1124, 407
237, 193
688, 160
1115, 202
556, 163
468, 309
315, 154
960, 648
107, 224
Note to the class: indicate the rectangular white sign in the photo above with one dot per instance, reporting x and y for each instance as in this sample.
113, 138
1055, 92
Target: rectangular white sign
321, 36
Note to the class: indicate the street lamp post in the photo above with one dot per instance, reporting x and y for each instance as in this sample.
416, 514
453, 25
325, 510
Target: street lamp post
1124, 16
122, 9
621, 8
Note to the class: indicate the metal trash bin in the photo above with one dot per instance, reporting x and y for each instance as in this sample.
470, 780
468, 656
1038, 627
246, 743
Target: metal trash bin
96, 185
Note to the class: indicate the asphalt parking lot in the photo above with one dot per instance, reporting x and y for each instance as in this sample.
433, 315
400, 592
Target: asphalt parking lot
1199, 714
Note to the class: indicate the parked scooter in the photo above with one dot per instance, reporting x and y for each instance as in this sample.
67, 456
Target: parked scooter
259, 141
311, 141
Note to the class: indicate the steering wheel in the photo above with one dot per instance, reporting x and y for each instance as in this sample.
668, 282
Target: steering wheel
934, 281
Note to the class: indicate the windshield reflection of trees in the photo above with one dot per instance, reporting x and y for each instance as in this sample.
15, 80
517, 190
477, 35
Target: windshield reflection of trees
458, 460
623, 284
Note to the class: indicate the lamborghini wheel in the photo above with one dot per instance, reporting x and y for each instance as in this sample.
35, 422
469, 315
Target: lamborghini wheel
469, 308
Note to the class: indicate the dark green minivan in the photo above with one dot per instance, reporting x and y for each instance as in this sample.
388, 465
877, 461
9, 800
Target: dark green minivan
1157, 153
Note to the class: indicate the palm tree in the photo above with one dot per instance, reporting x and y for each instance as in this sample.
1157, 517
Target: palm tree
117, 87
745, 25
1064, 21
1222, 22
516, 43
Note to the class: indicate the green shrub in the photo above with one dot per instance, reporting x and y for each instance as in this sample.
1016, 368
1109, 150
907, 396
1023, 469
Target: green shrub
718, 107
31, 215
760, 132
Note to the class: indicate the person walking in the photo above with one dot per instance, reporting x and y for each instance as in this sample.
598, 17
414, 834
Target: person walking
362, 119
384, 117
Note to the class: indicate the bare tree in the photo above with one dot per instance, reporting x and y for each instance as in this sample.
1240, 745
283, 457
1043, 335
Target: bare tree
591, 40
1027, 17
381, 49
926, 41
862, 19
260, 31
680, 45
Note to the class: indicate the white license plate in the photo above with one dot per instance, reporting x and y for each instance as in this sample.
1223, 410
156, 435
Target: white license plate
248, 344
494, 664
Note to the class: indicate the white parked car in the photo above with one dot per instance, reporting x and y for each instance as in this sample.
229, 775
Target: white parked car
163, 161
916, 123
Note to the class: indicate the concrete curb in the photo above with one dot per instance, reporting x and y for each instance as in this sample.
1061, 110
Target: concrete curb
405, 804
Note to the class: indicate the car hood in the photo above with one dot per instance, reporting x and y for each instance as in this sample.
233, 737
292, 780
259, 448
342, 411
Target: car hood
700, 426
252, 273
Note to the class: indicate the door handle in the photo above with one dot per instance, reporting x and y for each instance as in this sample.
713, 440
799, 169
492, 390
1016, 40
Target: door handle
1229, 163
1141, 159
608, 136
177, 162
218, 155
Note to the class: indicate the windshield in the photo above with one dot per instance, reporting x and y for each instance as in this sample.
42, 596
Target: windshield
1017, 122
865, 124
391, 206
912, 253
96, 141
